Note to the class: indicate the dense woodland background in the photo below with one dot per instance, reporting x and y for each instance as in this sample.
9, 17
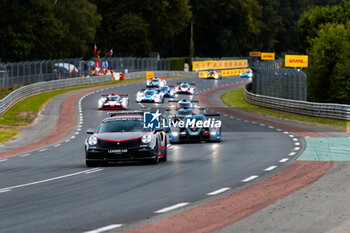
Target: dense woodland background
51, 29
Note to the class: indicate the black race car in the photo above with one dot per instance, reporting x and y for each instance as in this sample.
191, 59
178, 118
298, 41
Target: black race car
122, 137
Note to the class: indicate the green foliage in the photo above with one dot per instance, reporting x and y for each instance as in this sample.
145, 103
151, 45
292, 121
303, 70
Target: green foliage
329, 59
177, 63
81, 20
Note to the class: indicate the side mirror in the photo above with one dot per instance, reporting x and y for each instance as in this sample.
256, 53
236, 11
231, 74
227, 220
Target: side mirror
90, 131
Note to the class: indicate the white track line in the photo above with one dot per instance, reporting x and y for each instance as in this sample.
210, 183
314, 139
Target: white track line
25, 155
5, 190
283, 160
167, 209
57, 145
46, 180
142, 105
270, 168
218, 191
297, 148
291, 153
3, 160
93, 171
250, 178
43, 150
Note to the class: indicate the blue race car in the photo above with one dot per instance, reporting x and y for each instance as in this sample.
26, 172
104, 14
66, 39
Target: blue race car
167, 91
247, 74
187, 126
149, 95
156, 82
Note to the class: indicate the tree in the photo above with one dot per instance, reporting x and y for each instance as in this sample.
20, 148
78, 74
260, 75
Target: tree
29, 30
329, 59
81, 20
131, 36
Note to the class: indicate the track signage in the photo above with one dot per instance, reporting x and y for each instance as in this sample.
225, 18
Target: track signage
296, 61
267, 56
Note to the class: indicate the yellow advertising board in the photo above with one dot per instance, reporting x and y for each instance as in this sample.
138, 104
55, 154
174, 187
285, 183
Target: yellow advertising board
267, 56
219, 64
254, 54
296, 61
225, 73
149, 75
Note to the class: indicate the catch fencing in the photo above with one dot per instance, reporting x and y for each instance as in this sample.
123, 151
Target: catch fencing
22, 73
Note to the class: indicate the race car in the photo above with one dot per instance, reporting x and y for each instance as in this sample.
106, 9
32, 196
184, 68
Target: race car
183, 104
185, 88
149, 95
247, 74
113, 101
187, 127
212, 74
156, 82
122, 137
167, 91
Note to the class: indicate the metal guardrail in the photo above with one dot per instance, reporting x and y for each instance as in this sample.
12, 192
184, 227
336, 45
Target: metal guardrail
41, 87
334, 111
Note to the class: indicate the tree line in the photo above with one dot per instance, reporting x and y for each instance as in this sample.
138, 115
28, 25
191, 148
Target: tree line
51, 29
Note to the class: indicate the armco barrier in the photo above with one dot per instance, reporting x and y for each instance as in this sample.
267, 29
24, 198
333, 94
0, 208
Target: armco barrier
334, 111
40, 87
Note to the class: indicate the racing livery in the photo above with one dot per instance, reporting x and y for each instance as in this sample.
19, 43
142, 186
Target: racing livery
156, 82
186, 126
167, 91
247, 74
122, 137
185, 88
212, 74
149, 95
113, 101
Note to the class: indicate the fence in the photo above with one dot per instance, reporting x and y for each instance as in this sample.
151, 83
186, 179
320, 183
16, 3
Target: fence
270, 80
23, 73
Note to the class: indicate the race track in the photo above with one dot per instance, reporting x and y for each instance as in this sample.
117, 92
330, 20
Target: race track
51, 189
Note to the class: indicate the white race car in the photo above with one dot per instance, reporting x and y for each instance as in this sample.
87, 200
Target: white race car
113, 101
150, 95
185, 88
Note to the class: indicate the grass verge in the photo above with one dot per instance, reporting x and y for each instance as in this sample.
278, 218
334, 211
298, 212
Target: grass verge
235, 98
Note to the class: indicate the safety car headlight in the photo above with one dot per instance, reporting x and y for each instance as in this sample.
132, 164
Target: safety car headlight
92, 140
146, 138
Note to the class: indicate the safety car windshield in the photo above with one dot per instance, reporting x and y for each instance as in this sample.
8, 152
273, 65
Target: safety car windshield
120, 126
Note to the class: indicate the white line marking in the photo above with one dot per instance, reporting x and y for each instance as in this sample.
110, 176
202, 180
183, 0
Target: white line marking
142, 105
250, 178
291, 154
271, 127
76, 133
57, 145
297, 143
297, 148
3, 160
72, 137
278, 129
292, 136
43, 150
25, 155
93, 171
262, 124
246, 121
5, 190
284, 160
295, 139
170, 146
253, 122
166, 209
66, 141
218, 191
270, 168
46, 180
285, 132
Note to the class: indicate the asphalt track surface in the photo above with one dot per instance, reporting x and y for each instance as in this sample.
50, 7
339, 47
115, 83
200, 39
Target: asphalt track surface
51, 190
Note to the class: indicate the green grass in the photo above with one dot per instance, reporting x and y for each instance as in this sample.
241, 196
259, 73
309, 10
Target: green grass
235, 98
7, 134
